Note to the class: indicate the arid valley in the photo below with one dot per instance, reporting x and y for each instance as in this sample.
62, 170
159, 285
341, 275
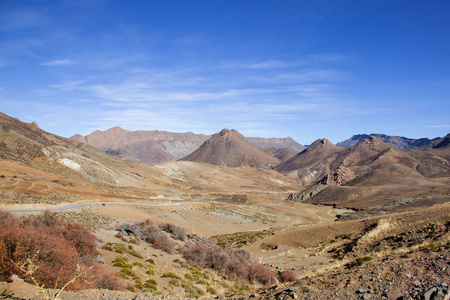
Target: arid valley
365, 221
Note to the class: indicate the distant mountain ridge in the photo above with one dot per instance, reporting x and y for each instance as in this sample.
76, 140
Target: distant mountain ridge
146, 146
398, 142
155, 146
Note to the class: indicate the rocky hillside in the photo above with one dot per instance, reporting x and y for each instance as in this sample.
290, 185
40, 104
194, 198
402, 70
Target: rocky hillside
442, 142
312, 164
326, 163
230, 148
160, 146
370, 176
397, 256
397, 142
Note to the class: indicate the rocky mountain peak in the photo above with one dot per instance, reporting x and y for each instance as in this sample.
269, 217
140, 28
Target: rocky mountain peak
371, 142
321, 143
226, 132
232, 149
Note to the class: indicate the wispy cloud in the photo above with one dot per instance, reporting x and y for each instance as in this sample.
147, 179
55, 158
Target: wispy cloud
438, 126
303, 76
261, 65
58, 63
68, 85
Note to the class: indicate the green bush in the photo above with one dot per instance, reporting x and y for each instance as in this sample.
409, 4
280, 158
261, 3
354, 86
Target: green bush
174, 282
151, 272
135, 254
141, 265
170, 275
359, 261
204, 282
108, 246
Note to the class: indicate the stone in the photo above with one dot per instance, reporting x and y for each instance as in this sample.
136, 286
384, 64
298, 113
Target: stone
132, 229
15, 278
100, 259
361, 291
139, 297
428, 294
394, 294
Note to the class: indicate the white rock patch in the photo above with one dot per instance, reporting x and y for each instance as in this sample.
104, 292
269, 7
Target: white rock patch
70, 164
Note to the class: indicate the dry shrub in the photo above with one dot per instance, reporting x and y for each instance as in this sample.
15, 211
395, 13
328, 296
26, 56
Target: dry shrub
287, 276
9, 239
259, 273
177, 232
154, 235
57, 249
81, 239
236, 264
106, 280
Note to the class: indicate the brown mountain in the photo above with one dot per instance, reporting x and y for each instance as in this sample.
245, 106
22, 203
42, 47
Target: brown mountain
368, 174
442, 142
159, 146
397, 142
232, 149
312, 164
283, 154
38, 166
145, 146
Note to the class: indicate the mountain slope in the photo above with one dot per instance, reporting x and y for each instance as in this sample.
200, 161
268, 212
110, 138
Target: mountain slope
230, 148
398, 142
442, 142
370, 174
37, 166
312, 164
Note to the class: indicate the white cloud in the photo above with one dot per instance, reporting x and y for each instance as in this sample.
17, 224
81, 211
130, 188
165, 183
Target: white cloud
68, 85
438, 126
261, 65
58, 63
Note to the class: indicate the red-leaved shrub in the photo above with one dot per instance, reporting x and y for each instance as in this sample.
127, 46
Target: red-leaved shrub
154, 235
56, 249
236, 264
287, 276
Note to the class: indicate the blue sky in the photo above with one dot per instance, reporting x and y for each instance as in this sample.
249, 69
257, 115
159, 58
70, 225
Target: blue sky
305, 69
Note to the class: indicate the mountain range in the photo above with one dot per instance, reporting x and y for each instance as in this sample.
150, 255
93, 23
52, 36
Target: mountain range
368, 173
159, 146
397, 142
